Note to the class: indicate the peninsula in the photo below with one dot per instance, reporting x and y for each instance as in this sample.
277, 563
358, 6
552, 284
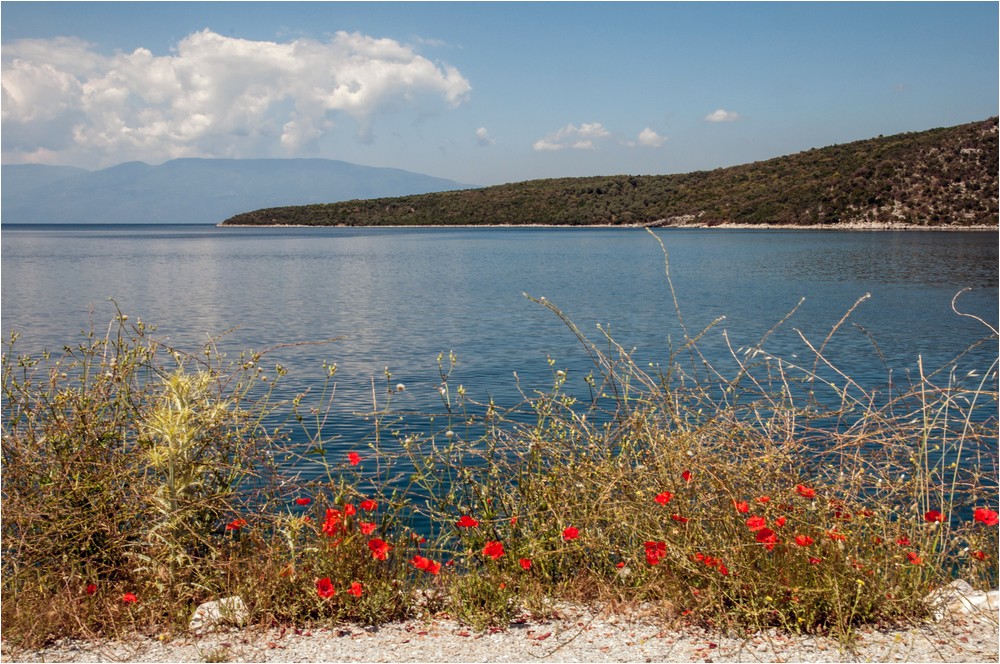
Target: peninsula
940, 178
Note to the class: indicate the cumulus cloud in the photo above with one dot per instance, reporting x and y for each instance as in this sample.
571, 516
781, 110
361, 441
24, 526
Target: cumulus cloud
722, 115
650, 139
212, 96
483, 137
571, 136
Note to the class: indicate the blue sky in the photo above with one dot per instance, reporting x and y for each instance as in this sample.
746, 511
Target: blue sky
485, 93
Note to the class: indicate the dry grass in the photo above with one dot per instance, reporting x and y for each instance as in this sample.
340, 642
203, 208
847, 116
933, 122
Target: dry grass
734, 501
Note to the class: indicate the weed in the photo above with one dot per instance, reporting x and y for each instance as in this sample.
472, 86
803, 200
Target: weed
777, 495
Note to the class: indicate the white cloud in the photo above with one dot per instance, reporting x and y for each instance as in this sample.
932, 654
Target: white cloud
571, 136
722, 115
650, 139
212, 96
483, 137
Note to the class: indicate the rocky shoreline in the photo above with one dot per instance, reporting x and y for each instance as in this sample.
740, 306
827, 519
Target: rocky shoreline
575, 636
848, 226
964, 632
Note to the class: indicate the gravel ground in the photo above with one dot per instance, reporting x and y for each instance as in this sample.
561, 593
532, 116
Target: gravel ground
576, 636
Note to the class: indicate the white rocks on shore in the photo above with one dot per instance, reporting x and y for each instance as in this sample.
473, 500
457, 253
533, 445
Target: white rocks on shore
958, 597
967, 631
576, 636
222, 612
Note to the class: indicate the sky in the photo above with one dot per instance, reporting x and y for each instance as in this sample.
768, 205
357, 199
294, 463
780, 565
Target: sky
485, 93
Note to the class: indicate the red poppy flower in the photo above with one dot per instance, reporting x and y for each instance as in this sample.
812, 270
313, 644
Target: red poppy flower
767, 537
513, 520
835, 536
914, 558
331, 524
493, 550
303, 501
367, 528
803, 540
368, 505
354, 458
711, 562
755, 523
129, 598
933, 516
780, 521
989, 517
815, 561
524, 563
699, 556
236, 524
903, 541
620, 564
92, 587
570, 533
324, 588
742, 507
723, 570
663, 497
686, 475
679, 518
356, 589
349, 510
426, 564
466, 522
805, 492
379, 548
655, 551
764, 500
978, 555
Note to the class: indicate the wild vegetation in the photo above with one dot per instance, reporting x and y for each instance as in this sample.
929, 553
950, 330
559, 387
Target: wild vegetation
140, 481
940, 177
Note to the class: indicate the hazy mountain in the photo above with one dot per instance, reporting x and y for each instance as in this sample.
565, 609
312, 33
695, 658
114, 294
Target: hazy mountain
196, 191
26, 177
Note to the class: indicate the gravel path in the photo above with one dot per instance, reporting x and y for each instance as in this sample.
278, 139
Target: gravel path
576, 636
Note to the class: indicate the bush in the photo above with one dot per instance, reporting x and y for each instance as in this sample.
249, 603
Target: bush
136, 488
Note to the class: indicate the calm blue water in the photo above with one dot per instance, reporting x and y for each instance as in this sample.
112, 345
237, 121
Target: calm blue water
399, 297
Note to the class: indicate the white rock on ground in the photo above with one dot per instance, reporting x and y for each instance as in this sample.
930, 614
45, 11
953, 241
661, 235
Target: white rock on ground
959, 597
224, 611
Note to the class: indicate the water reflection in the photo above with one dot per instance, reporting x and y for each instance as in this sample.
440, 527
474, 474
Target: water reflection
398, 298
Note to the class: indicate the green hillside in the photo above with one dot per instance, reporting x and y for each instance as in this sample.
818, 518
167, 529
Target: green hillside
940, 177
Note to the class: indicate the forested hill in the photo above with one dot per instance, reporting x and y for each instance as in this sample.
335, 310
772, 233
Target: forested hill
940, 177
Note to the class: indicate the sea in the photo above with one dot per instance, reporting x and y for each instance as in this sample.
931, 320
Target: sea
505, 313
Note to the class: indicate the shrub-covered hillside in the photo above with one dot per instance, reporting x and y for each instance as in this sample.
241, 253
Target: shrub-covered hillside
938, 177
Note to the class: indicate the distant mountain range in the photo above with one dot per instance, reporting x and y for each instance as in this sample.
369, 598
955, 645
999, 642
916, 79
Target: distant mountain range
943, 177
193, 191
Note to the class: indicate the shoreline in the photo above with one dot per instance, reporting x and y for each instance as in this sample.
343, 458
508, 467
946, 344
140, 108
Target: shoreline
850, 226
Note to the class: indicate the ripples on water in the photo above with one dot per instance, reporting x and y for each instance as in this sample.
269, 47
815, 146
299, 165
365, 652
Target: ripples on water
399, 297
